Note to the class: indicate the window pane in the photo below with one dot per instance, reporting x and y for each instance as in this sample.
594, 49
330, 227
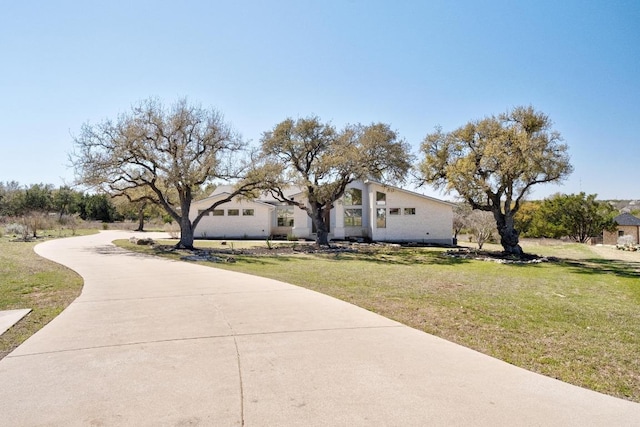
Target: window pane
247, 212
218, 212
353, 217
409, 211
202, 210
394, 211
285, 216
233, 212
353, 197
381, 218
381, 198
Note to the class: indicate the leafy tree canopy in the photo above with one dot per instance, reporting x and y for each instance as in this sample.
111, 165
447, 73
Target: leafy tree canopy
323, 161
578, 216
493, 163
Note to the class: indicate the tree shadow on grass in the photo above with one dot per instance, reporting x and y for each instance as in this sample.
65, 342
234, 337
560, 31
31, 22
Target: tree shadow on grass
593, 266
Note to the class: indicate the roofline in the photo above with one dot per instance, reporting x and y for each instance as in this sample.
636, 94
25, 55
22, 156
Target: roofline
216, 196
413, 193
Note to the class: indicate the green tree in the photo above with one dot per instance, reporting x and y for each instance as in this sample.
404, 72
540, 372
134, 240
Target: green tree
171, 152
12, 199
493, 163
578, 216
523, 219
323, 161
98, 207
65, 201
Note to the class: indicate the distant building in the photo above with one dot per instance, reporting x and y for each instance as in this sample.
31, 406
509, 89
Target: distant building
627, 224
368, 210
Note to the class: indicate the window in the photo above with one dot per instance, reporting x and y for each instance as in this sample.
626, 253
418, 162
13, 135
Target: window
247, 212
218, 212
202, 210
381, 218
353, 217
394, 211
353, 197
285, 216
620, 233
381, 198
409, 211
233, 212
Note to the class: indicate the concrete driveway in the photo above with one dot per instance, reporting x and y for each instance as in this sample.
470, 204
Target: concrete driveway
152, 342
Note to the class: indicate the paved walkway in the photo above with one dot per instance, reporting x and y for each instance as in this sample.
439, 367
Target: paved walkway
152, 342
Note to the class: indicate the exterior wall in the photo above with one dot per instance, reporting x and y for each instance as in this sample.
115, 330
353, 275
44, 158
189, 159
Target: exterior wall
338, 229
227, 227
611, 237
432, 222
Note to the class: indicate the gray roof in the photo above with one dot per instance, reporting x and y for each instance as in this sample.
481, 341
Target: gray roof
627, 219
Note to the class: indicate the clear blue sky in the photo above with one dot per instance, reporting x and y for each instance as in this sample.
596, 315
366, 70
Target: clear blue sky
412, 64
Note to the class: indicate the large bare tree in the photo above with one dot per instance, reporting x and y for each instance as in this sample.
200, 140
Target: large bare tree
493, 163
323, 162
163, 155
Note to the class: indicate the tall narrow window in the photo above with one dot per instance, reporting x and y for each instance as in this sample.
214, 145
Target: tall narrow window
381, 198
353, 197
381, 218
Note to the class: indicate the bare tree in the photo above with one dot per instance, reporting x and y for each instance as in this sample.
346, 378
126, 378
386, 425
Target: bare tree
163, 155
482, 226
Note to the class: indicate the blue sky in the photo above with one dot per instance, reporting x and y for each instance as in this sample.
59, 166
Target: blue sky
412, 64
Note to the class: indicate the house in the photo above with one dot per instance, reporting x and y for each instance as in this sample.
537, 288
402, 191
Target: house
627, 224
368, 210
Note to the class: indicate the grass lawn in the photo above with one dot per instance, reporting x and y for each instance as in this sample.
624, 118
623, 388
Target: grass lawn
577, 320
29, 281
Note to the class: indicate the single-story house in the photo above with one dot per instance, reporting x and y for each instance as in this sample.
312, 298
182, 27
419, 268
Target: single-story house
627, 225
368, 210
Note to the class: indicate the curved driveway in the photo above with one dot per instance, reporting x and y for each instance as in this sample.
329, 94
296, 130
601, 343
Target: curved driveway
153, 342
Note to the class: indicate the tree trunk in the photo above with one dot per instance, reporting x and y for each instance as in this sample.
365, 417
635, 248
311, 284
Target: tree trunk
509, 236
322, 234
186, 234
141, 218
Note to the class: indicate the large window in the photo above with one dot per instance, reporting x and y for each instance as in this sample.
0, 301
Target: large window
381, 218
353, 217
285, 216
353, 197
381, 198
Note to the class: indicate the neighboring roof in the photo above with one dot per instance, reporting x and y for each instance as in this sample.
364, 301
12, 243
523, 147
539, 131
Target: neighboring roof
627, 219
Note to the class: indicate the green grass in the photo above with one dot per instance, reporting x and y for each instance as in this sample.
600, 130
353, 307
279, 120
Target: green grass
577, 319
29, 281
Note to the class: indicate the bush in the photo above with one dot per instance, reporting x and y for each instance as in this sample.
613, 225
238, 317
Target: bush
16, 229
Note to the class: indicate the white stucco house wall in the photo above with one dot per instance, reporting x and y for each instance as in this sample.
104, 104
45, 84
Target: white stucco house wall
368, 210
